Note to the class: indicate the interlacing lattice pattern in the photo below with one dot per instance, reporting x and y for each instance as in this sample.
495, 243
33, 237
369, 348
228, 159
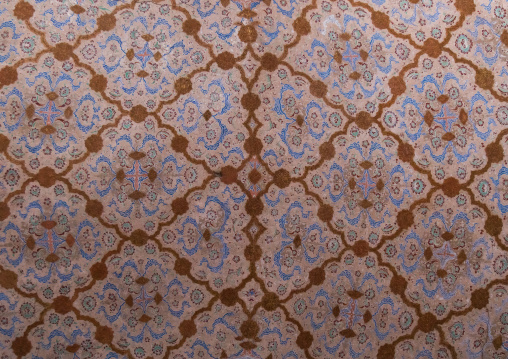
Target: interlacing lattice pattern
277, 179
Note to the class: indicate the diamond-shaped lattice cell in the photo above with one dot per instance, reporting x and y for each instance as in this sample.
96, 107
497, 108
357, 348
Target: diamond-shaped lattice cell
47, 116
447, 252
148, 291
56, 241
211, 233
140, 179
353, 307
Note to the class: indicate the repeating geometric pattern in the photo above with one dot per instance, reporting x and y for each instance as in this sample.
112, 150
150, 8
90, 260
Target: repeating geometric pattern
245, 179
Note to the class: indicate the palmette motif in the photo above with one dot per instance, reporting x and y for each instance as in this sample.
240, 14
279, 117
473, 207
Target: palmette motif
237, 179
